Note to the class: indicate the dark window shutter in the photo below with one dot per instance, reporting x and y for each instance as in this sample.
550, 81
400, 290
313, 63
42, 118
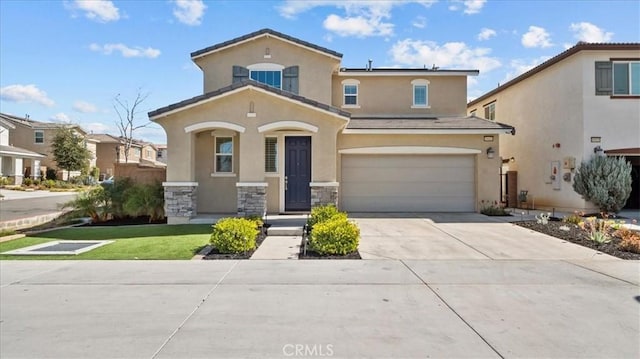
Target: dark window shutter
290, 79
240, 73
604, 78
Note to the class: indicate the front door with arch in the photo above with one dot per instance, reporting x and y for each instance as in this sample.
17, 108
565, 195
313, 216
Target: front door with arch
297, 173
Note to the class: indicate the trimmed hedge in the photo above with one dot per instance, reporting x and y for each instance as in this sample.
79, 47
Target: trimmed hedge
234, 235
335, 236
323, 214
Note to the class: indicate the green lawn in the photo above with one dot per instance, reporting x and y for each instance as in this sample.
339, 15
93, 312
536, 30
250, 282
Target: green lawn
131, 242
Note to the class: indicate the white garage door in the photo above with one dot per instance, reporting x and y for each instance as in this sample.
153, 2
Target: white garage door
408, 183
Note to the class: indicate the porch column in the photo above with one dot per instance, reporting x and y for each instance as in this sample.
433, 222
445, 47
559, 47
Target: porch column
180, 188
252, 189
324, 193
18, 170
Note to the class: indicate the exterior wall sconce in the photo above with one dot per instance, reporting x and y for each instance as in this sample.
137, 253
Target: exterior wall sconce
490, 152
598, 150
509, 160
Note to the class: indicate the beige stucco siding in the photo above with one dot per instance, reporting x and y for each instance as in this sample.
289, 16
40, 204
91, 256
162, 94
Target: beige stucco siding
394, 95
315, 69
487, 176
555, 112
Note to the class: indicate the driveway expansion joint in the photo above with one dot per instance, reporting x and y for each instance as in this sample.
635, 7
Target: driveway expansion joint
452, 309
458, 239
604, 274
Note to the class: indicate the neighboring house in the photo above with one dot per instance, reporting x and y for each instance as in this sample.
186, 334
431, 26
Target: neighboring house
13, 160
37, 136
580, 103
111, 149
162, 153
282, 127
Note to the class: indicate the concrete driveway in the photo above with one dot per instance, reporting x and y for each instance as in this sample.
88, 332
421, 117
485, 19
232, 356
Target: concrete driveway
455, 236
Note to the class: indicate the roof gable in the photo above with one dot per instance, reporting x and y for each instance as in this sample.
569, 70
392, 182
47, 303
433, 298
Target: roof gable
580, 46
263, 33
242, 86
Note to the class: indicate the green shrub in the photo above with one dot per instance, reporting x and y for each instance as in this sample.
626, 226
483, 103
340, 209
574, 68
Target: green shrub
93, 203
116, 193
489, 208
27, 182
145, 200
575, 218
335, 236
51, 174
47, 183
605, 181
255, 219
234, 235
323, 214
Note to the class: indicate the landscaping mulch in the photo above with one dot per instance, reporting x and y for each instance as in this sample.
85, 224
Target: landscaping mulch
316, 255
578, 236
127, 221
215, 255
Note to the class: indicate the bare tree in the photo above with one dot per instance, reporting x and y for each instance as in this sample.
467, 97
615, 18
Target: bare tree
127, 119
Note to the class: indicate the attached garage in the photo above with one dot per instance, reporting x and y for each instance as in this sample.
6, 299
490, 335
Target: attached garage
408, 183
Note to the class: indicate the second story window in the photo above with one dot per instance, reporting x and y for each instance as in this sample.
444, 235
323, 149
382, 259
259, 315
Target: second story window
490, 111
268, 74
38, 136
626, 78
350, 93
420, 93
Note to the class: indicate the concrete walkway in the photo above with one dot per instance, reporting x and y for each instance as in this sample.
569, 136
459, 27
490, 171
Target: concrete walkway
279, 247
342, 309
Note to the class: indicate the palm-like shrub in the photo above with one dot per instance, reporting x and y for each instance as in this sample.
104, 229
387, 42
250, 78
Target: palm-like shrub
93, 203
117, 197
145, 200
605, 181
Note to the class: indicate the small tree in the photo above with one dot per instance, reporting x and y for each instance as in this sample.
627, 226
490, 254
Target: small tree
605, 181
69, 150
127, 119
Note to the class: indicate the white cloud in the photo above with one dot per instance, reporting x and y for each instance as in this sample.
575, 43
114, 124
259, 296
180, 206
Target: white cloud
361, 18
97, 127
61, 117
588, 32
536, 37
519, 66
486, 34
358, 26
470, 6
84, 107
449, 55
25, 93
97, 10
125, 50
420, 22
189, 12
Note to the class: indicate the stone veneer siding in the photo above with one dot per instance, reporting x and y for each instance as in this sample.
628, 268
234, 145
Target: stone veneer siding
180, 201
323, 195
252, 201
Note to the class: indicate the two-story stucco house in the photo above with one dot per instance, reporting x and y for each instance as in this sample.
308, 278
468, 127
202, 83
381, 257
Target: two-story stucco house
14, 160
37, 136
583, 102
282, 126
111, 149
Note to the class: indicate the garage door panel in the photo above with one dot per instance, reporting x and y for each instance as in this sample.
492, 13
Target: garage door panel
434, 174
408, 183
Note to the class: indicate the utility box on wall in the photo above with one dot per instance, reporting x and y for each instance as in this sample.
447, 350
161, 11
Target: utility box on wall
569, 163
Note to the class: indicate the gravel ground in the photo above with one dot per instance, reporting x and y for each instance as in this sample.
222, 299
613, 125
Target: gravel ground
577, 235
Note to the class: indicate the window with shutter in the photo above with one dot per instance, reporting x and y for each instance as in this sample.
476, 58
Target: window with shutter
240, 73
626, 78
290, 79
271, 154
603, 78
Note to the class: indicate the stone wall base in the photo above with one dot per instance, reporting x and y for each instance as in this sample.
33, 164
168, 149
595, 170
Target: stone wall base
180, 200
252, 200
324, 195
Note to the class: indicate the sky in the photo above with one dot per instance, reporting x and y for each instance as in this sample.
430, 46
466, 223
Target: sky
66, 61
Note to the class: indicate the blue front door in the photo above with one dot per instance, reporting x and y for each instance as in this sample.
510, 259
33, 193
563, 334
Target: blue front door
297, 173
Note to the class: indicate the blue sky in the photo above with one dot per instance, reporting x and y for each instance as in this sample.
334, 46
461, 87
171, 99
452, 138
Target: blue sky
67, 60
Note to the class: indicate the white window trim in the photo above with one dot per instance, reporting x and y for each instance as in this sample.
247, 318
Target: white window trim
629, 79
34, 137
419, 82
267, 66
216, 173
494, 110
351, 82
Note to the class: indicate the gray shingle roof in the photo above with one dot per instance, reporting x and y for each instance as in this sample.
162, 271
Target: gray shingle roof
37, 125
247, 83
424, 123
260, 33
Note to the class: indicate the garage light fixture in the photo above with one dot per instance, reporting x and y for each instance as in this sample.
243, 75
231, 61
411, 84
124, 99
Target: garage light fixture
490, 152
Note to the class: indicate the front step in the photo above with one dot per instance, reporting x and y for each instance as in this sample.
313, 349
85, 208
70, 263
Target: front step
284, 231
